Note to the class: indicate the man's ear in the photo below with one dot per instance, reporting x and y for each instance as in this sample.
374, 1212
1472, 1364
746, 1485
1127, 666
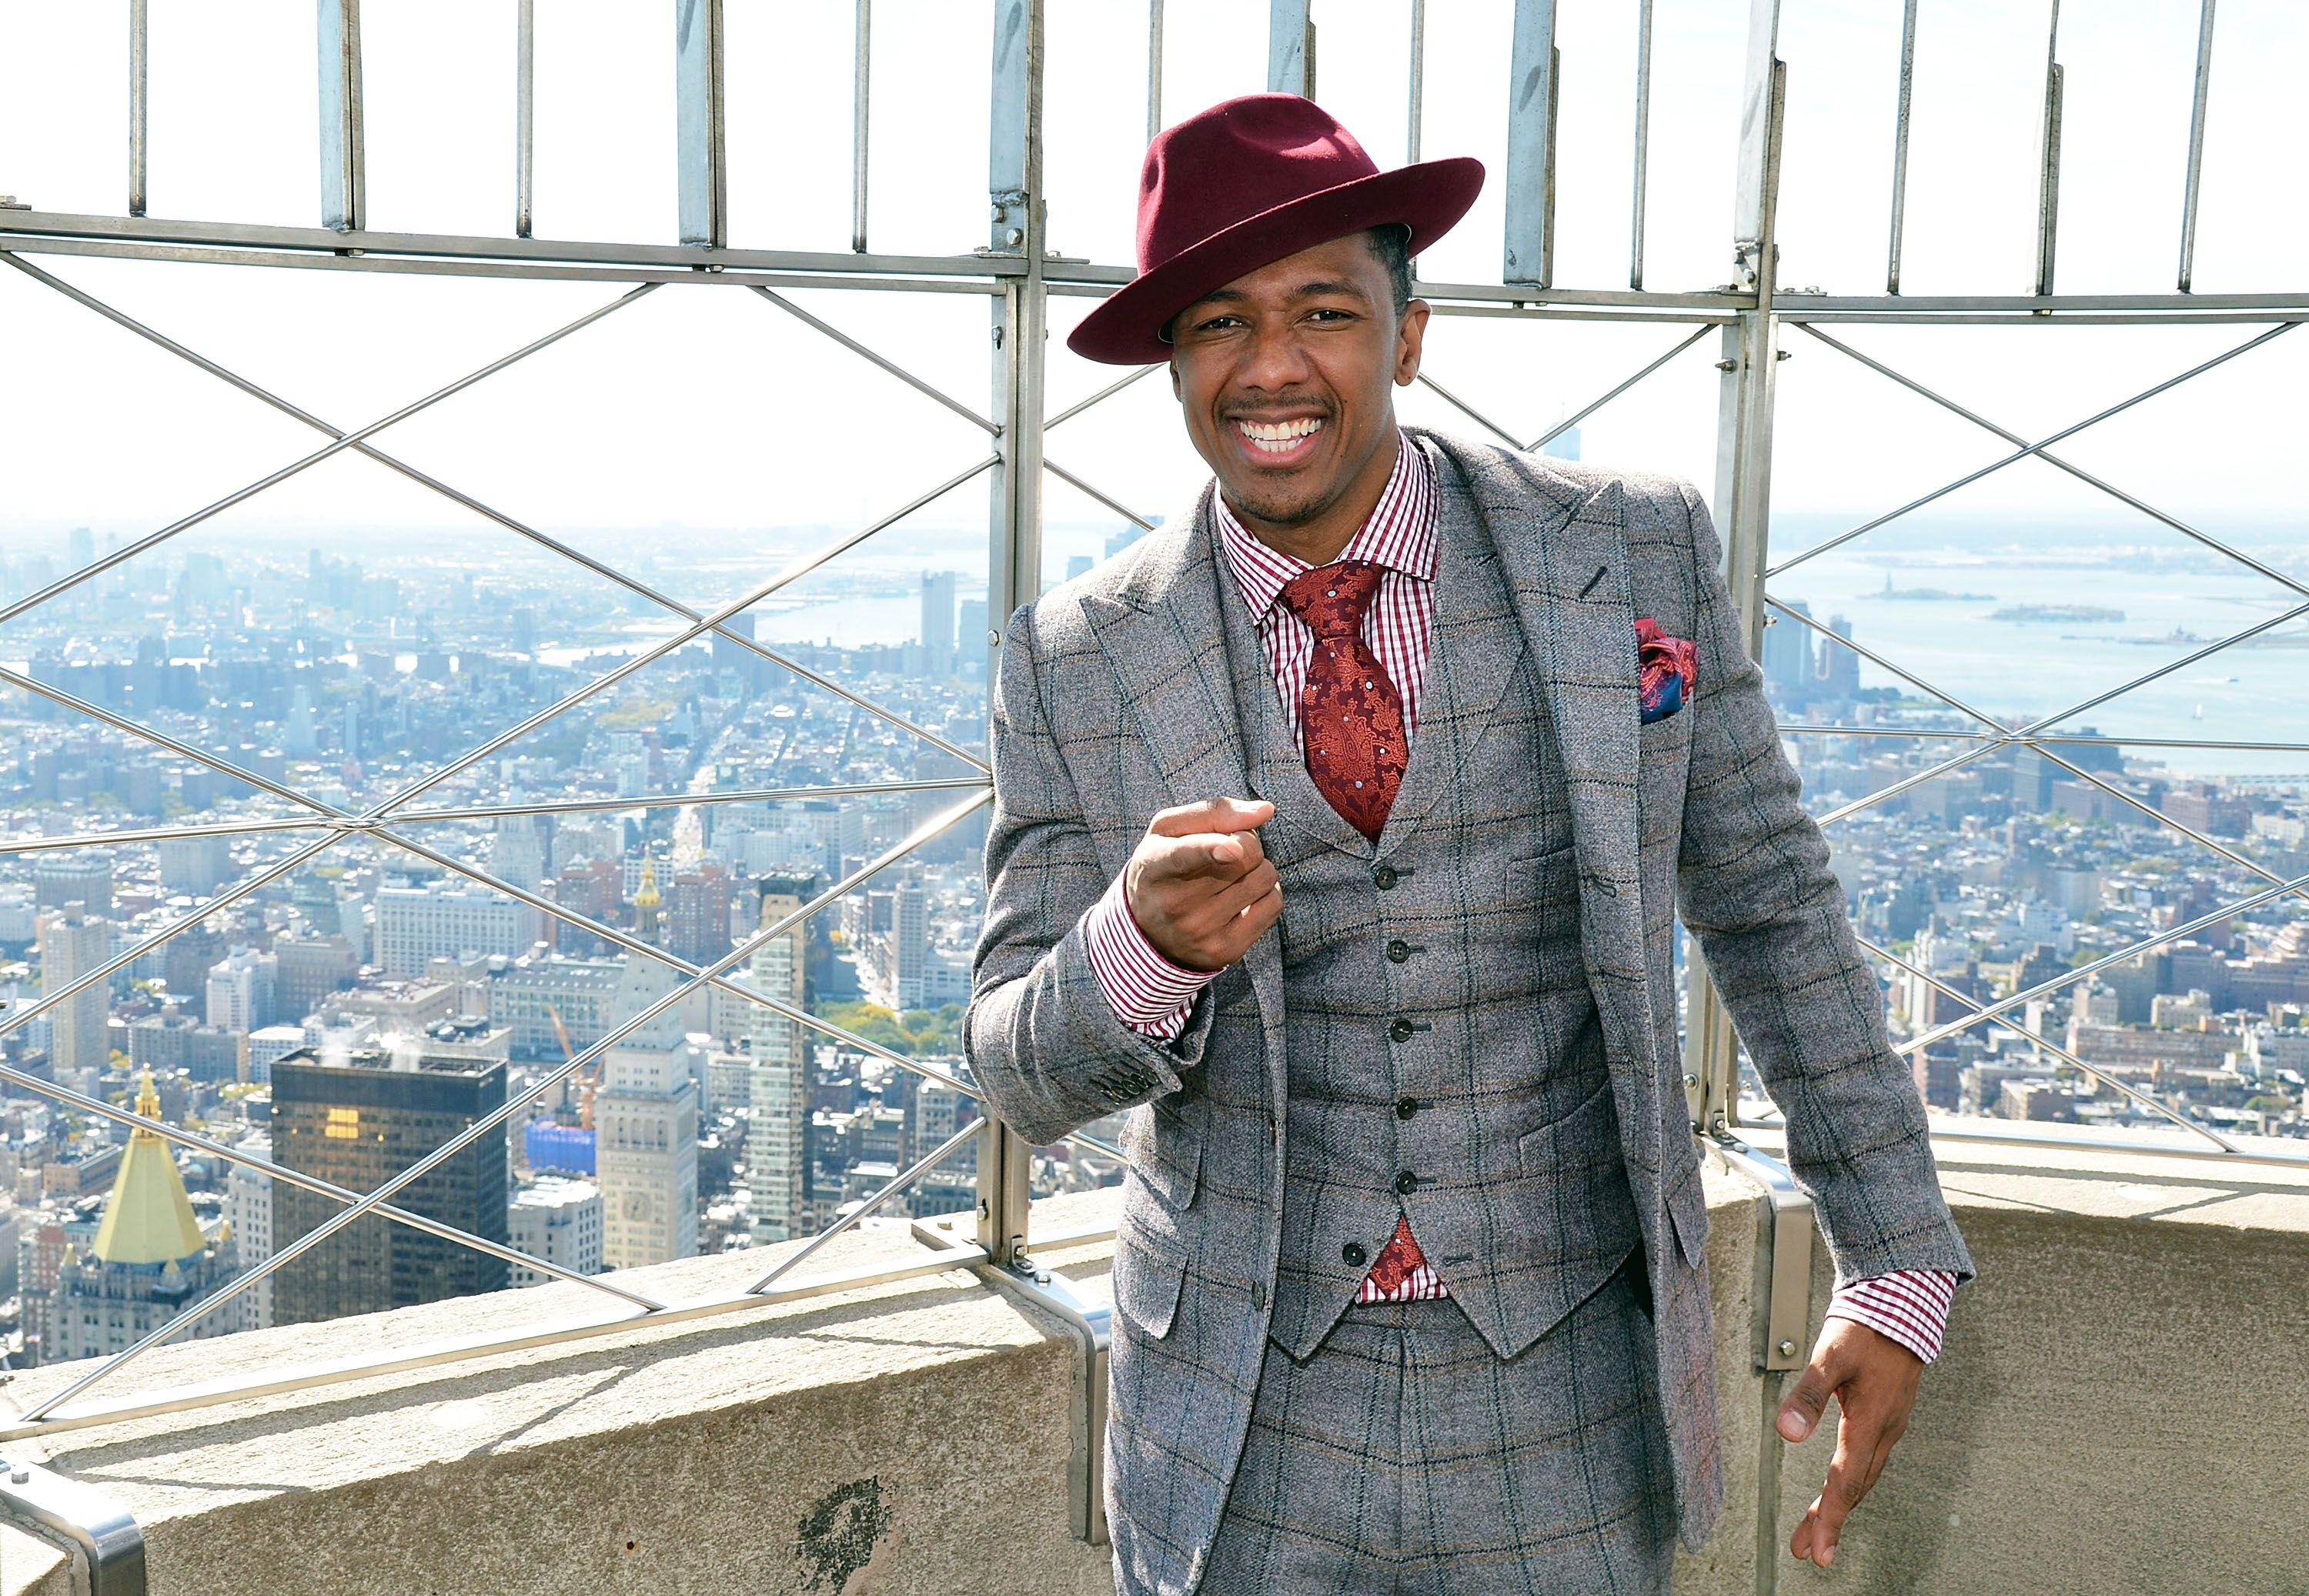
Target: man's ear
1176, 390
1410, 341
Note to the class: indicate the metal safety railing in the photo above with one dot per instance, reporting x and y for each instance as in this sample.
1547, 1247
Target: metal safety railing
1017, 273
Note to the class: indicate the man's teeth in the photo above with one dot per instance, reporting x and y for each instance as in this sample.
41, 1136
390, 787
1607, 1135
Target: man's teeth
1278, 437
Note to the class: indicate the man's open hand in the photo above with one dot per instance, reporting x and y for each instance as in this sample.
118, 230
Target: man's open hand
1199, 884
1873, 1379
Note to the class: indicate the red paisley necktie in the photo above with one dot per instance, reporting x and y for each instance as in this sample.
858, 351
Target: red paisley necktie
1351, 720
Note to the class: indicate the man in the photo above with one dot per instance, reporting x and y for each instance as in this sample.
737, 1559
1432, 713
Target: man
1340, 834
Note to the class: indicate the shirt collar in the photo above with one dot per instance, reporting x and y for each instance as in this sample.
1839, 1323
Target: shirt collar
1399, 536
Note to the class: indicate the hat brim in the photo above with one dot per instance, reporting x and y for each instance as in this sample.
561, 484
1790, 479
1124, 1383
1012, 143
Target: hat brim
1428, 198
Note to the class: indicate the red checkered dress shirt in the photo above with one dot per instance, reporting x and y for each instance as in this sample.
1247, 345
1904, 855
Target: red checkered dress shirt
1153, 997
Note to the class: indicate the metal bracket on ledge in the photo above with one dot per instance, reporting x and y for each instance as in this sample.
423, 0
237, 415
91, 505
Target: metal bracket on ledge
1093, 1322
1784, 1258
108, 1549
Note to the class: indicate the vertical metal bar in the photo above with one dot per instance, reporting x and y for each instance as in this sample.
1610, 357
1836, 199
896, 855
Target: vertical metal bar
1154, 69
861, 99
2048, 160
1290, 69
1643, 141
136, 106
1744, 473
344, 197
1418, 115
1529, 252
524, 156
697, 121
2196, 145
1015, 555
1900, 147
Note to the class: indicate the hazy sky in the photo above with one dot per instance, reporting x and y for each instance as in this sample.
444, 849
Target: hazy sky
707, 407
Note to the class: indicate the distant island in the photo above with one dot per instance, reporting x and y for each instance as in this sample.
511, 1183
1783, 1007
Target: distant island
1933, 595
2055, 612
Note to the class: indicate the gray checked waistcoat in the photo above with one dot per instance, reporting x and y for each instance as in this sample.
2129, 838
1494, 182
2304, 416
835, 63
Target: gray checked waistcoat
1444, 1058
1543, 846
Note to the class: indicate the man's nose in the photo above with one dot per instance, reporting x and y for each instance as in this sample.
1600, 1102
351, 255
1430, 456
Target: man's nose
1275, 361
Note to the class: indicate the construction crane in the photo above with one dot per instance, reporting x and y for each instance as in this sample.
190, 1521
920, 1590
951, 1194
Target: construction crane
586, 1078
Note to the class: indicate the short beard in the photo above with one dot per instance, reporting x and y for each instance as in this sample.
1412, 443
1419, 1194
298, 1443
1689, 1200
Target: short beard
1273, 509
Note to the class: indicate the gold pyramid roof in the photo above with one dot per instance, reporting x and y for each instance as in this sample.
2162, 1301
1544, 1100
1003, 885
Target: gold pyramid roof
148, 1219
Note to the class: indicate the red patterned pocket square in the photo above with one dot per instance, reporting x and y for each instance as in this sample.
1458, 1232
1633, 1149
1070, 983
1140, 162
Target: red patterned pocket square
1665, 667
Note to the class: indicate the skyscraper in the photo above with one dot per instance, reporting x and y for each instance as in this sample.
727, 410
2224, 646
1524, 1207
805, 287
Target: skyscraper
645, 1131
149, 1260
241, 991
358, 1119
938, 624
910, 939
248, 1211
1788, 652
73, 941
698, 915
417, 925
777, 1162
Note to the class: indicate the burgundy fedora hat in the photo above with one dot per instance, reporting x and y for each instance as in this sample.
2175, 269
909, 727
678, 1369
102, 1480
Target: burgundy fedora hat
1241, 186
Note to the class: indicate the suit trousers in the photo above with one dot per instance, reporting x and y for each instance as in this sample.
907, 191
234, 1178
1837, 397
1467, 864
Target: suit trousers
1404, 1458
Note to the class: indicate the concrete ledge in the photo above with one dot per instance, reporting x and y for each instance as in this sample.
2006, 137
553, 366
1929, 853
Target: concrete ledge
2123, 1400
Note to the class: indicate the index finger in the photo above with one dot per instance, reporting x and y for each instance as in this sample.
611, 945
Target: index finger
1211, 814
1203, 853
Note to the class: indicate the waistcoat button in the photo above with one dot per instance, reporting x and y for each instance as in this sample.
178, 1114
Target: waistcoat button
1406, 1106
1354, 1255
1400, 1030
1398, 951
1406, 1183
1383, 878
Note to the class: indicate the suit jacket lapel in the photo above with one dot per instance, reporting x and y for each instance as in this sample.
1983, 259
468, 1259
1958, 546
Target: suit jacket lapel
1563, 553
1476, 640
1163, 633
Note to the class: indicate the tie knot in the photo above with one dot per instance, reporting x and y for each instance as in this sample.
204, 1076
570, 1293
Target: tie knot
1332, 599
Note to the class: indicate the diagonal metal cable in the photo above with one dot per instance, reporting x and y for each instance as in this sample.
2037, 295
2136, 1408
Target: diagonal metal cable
341, 443
311, 1183
1473, 414
691, 633
680, 800
457, 496
1915, 1044
1098, 398
2078, 472
2027, 450
930, 391
1560, 427
1115, 504
194, 1312
2143, 1099
899, 1182
2005, 736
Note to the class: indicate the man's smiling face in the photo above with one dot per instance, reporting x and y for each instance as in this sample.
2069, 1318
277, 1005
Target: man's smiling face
1285, 375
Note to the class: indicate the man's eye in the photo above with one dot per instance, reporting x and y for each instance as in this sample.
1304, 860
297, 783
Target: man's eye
1329, 314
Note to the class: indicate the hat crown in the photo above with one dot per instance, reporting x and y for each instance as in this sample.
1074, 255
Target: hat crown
1237, 159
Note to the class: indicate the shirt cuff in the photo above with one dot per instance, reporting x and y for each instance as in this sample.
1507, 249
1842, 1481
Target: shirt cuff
1909, 1305
1147, 992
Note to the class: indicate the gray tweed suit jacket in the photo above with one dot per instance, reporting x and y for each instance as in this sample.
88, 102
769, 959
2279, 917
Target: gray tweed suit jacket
1115, 699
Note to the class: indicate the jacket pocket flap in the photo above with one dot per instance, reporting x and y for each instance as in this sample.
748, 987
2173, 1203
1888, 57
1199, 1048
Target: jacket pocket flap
1146, 1289
1687, 1205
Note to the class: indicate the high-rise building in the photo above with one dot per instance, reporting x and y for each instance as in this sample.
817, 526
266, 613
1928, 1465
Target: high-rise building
645, 1156
60, 878
972, 637
1563, 445
528, 994
358, 1119
1840, 669
698, 915
73, 941
938, 624
517, 852
910, 939
1788, 652
248, 1212
150, 1258
241, 990
777, 1162
416, 924
195, 865
307, 969
559, 1220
